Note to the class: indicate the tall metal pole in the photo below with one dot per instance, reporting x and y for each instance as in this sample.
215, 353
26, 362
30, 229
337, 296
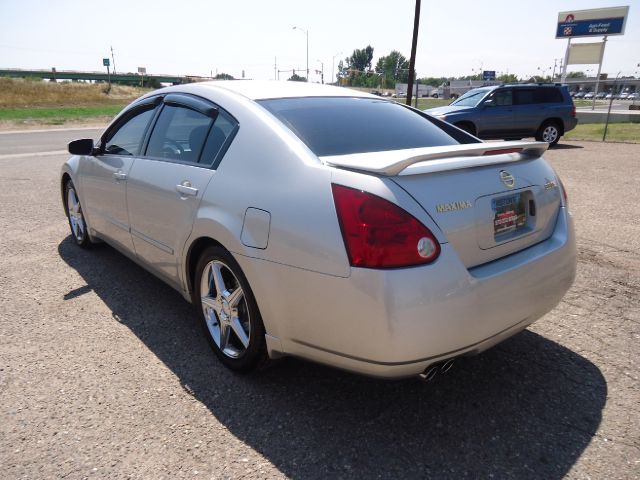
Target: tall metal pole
566, 62
606, 125
412, 60
593, 103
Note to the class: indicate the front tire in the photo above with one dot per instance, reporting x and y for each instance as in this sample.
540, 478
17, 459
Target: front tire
228, 311
77, 223
549, 132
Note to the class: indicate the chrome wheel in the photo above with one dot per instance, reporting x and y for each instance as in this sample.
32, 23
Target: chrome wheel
225, 309
550, 134
76, 220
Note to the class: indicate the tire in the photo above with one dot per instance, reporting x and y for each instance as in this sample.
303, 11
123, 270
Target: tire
467, 127
228, 312
77, 223
549, 132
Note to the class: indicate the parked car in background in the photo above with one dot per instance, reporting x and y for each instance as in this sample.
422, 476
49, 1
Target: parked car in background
580, 95
601, 95
610, 96
545, 112
325, 223
633, 96
589, 95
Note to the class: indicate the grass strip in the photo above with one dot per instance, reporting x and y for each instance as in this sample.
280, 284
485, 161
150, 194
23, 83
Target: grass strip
616, 132
59, 115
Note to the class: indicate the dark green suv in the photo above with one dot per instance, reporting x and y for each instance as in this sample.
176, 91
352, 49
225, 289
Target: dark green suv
543, 111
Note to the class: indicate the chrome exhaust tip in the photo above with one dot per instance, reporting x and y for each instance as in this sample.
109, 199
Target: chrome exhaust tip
430, 373
446, 366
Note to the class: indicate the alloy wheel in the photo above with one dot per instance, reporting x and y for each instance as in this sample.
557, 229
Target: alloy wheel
76, 219
225, 309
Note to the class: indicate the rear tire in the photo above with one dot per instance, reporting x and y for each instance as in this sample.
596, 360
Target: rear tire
228, 311
549, 132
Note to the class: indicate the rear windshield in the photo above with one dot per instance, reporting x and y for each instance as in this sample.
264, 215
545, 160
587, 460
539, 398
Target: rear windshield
344, 125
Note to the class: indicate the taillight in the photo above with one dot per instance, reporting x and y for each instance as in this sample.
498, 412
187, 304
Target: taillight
573, 111
564, 192
379, 234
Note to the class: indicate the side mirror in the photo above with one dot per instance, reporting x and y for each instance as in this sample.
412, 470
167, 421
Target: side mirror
489, 102
83, 146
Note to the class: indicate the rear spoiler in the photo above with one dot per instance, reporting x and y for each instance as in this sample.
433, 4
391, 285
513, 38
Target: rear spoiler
438, 159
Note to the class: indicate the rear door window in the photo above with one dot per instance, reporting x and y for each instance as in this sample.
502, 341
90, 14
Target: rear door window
523, 96
179, 134
345, 125
219, 137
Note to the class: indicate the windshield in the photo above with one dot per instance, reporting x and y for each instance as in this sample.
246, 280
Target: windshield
345, 125
471, 98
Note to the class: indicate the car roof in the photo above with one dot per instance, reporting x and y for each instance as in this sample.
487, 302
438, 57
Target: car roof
268, 89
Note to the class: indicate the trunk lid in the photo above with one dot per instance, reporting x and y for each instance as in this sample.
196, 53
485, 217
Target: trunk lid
487, 203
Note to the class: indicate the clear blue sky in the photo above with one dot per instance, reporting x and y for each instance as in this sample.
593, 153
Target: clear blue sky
197, 37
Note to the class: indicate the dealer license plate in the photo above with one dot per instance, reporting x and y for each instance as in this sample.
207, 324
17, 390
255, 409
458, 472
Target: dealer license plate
510, 214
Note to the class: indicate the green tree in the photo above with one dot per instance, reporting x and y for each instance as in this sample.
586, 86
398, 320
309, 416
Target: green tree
432, 81
296, 78
361, 59
393, 68
576, 75
508, 78
224, 76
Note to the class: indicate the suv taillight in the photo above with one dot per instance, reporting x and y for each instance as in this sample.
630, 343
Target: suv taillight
379, 234
573, 111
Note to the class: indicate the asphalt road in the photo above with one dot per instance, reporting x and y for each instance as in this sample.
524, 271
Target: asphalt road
104, 372
53, 140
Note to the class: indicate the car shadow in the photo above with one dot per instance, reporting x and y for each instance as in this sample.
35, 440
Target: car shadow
525, 409
565, 146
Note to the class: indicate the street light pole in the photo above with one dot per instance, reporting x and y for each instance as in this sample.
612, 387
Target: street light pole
321, 71
306, 32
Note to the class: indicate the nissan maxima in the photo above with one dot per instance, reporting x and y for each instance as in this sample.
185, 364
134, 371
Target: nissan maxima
325, 223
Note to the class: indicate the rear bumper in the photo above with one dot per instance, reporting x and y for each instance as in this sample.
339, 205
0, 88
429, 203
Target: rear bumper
570, 123
396, 323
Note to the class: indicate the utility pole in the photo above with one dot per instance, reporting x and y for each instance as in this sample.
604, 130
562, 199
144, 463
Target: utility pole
275, 68
114, 61
321, 71
412, 60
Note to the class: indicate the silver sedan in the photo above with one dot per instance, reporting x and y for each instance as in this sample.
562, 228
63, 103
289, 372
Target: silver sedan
326, 223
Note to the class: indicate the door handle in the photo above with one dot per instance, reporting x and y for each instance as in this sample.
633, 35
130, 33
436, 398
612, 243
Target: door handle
119, 175
185, 188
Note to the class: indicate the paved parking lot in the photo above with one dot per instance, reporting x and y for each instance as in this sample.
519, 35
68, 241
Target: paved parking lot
104, 372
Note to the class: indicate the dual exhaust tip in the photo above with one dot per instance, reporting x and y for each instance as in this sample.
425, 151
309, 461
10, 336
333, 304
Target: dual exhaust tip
437, 368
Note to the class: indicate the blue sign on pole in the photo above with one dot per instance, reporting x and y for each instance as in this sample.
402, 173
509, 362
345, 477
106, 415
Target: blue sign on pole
587, 28
596, 22
489, 75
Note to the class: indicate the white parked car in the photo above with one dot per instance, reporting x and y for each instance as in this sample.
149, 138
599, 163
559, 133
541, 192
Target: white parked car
325, 223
